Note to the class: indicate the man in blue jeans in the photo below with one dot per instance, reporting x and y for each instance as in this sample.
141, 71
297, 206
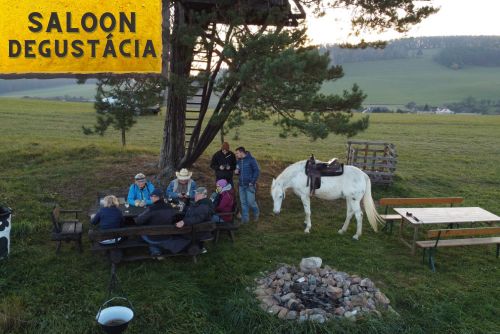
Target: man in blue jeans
248, 170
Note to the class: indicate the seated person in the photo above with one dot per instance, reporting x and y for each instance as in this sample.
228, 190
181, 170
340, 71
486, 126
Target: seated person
199, 212
225, 202
108, 217
159, 213
140, 191
182, 189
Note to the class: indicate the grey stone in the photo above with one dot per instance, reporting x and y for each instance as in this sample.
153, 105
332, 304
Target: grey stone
303, 317
310, 263
339, 311
260, 292
358, 300
264, 307
287, 277
282, 313
270, 301
291, 315
317, 318
381, 298
366, 283
287, 297
354, 289
274, 309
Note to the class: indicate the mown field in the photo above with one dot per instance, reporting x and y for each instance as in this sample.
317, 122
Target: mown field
421, 80
45, 158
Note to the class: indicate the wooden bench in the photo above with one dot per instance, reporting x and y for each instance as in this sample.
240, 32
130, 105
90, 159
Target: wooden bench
229, 226
390, 218
132, 247
432, 245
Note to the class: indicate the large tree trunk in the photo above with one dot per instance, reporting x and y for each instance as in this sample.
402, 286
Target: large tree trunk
124, 142
172, 150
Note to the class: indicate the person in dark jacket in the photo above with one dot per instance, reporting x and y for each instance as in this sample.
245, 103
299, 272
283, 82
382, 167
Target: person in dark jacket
248, 170
201, 211
108, 217
224, 163
159, 213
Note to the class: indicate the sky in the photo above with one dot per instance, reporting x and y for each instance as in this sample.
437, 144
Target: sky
456, 17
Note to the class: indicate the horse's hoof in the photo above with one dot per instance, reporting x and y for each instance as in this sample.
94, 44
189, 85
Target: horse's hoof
341, 231
355, 237
306, 231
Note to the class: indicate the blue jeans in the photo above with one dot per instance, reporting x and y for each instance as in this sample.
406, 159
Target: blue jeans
247, 198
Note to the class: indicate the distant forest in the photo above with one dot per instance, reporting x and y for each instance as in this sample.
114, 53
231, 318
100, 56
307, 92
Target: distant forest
455, 52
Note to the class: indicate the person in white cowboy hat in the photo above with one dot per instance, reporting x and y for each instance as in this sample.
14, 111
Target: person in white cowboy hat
140, 191
182, 188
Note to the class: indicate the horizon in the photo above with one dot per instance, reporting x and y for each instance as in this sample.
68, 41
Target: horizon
455, 18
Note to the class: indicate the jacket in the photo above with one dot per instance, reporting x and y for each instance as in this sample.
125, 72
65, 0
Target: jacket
160, 213
135, 193
172, 189
199, 212
249, 170
226, 204
218, 159
108, 218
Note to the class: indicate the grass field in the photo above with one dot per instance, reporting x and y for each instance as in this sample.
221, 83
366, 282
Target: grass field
418, 79
45, 158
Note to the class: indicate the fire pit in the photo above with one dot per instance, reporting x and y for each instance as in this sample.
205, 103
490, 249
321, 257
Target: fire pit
318, 294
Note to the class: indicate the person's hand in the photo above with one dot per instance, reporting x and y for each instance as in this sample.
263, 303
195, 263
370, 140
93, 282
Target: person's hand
142, 204
92, 216
228, 167
137, 202
221, 167
237, 171
179, 224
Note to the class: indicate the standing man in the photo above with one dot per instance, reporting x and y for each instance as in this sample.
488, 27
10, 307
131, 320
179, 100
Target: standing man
248, 170
224, 164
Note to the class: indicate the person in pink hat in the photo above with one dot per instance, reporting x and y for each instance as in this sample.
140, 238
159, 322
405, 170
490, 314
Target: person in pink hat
224, 202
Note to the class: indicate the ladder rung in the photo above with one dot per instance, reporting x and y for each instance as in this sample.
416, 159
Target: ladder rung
197, 111
192, 119
195, 103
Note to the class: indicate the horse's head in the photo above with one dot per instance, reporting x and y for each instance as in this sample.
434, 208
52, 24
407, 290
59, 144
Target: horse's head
278, 194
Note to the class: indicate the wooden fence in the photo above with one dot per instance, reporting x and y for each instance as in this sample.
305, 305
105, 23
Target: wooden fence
377, 159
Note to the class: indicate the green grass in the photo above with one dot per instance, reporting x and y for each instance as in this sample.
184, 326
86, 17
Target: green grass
45, 159
421, 80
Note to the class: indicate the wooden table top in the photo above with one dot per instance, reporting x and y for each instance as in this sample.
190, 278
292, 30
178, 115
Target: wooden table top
447, 215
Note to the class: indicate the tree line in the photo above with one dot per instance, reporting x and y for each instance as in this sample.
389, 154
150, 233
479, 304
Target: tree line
460, 50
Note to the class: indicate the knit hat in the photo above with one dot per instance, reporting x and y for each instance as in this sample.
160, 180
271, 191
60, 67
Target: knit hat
225, 146
221, 183
140, 177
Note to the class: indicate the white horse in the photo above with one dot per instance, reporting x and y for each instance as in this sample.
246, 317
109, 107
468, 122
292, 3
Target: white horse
353, 185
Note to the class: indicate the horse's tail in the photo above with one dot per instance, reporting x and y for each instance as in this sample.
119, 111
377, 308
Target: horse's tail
370, 209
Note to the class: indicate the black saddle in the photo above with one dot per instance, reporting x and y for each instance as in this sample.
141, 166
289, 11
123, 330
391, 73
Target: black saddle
315, 171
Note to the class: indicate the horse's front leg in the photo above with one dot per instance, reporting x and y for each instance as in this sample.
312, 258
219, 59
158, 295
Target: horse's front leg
306, 201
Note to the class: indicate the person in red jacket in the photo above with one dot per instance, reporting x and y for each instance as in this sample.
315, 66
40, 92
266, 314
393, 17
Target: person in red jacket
224, 202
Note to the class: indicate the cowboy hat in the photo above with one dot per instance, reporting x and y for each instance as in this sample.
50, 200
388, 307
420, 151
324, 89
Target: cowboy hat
184, 174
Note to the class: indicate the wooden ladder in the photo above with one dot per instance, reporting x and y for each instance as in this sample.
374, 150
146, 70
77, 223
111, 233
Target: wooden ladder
197, 101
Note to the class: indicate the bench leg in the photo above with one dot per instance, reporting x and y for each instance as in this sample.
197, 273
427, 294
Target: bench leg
58, 248
432, 251
231, 235
217, 232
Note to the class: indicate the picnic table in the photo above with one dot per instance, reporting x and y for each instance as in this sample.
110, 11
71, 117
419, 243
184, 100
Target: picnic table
417, 217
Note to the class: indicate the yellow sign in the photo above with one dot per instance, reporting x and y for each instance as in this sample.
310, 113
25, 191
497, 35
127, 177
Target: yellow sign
86, 36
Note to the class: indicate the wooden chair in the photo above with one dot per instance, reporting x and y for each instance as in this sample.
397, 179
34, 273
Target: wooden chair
66, 230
